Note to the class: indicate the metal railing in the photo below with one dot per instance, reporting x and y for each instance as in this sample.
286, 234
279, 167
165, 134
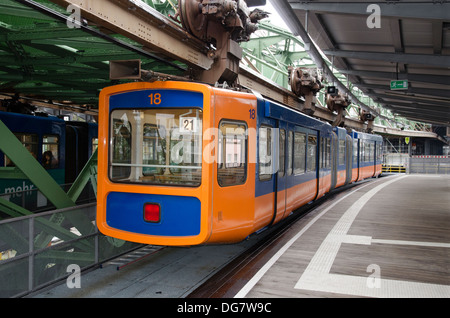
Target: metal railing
41, 249
430, 164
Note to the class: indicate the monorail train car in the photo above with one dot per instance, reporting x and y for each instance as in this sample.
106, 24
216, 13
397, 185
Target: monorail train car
186, 163
53, 143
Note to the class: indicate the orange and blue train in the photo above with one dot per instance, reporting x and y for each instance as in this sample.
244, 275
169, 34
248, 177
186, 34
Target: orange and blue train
184, 163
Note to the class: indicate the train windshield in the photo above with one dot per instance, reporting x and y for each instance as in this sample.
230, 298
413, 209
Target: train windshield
156, 146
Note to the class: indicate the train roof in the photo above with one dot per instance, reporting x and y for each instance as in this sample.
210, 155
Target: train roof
365, 136
278, 111
25, 116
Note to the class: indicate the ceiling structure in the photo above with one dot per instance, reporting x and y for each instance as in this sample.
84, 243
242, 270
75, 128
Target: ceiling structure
42, 58
374, 42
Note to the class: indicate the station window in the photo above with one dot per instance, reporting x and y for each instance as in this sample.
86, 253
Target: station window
265, 153
232, 154
50, 151
299, 152
312, 152
30, 142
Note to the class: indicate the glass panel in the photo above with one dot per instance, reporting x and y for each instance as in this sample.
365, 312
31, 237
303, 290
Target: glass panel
30, 142
232, 154
299, 152
50, 152
52, 264
289, 152
156, 146
14, 245
329, 152
312, 150
265, 153
14, 239
14, 277
341, 152
282, 150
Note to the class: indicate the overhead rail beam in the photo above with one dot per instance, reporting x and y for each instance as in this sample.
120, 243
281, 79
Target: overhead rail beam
52, 13
142, 23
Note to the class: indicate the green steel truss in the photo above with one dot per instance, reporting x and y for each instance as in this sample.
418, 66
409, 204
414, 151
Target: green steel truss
41, 57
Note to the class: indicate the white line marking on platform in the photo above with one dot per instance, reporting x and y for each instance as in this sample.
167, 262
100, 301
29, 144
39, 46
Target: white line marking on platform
255, 279
316, 277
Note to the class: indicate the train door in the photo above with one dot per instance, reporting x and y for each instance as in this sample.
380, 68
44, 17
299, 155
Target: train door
281, 176
233, 188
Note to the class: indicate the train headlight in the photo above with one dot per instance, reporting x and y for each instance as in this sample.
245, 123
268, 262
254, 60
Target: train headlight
152, 212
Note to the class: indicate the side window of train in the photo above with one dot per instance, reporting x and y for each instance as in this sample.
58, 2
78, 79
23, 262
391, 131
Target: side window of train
30, 142
265, 153
380, 152
312, 152
362, 151
50, 151
341, 152
232, 154
290, 152
328, 152
282, 152
355, 151
299, 153
322, 153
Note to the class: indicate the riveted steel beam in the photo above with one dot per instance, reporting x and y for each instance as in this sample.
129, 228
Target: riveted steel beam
145, 25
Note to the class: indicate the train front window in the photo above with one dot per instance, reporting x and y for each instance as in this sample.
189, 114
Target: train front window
156, 146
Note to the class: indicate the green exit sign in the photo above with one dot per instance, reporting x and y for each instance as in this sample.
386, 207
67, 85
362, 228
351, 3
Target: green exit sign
402, 84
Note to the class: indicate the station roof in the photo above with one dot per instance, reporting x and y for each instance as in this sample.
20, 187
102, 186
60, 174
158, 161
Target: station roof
411, 42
